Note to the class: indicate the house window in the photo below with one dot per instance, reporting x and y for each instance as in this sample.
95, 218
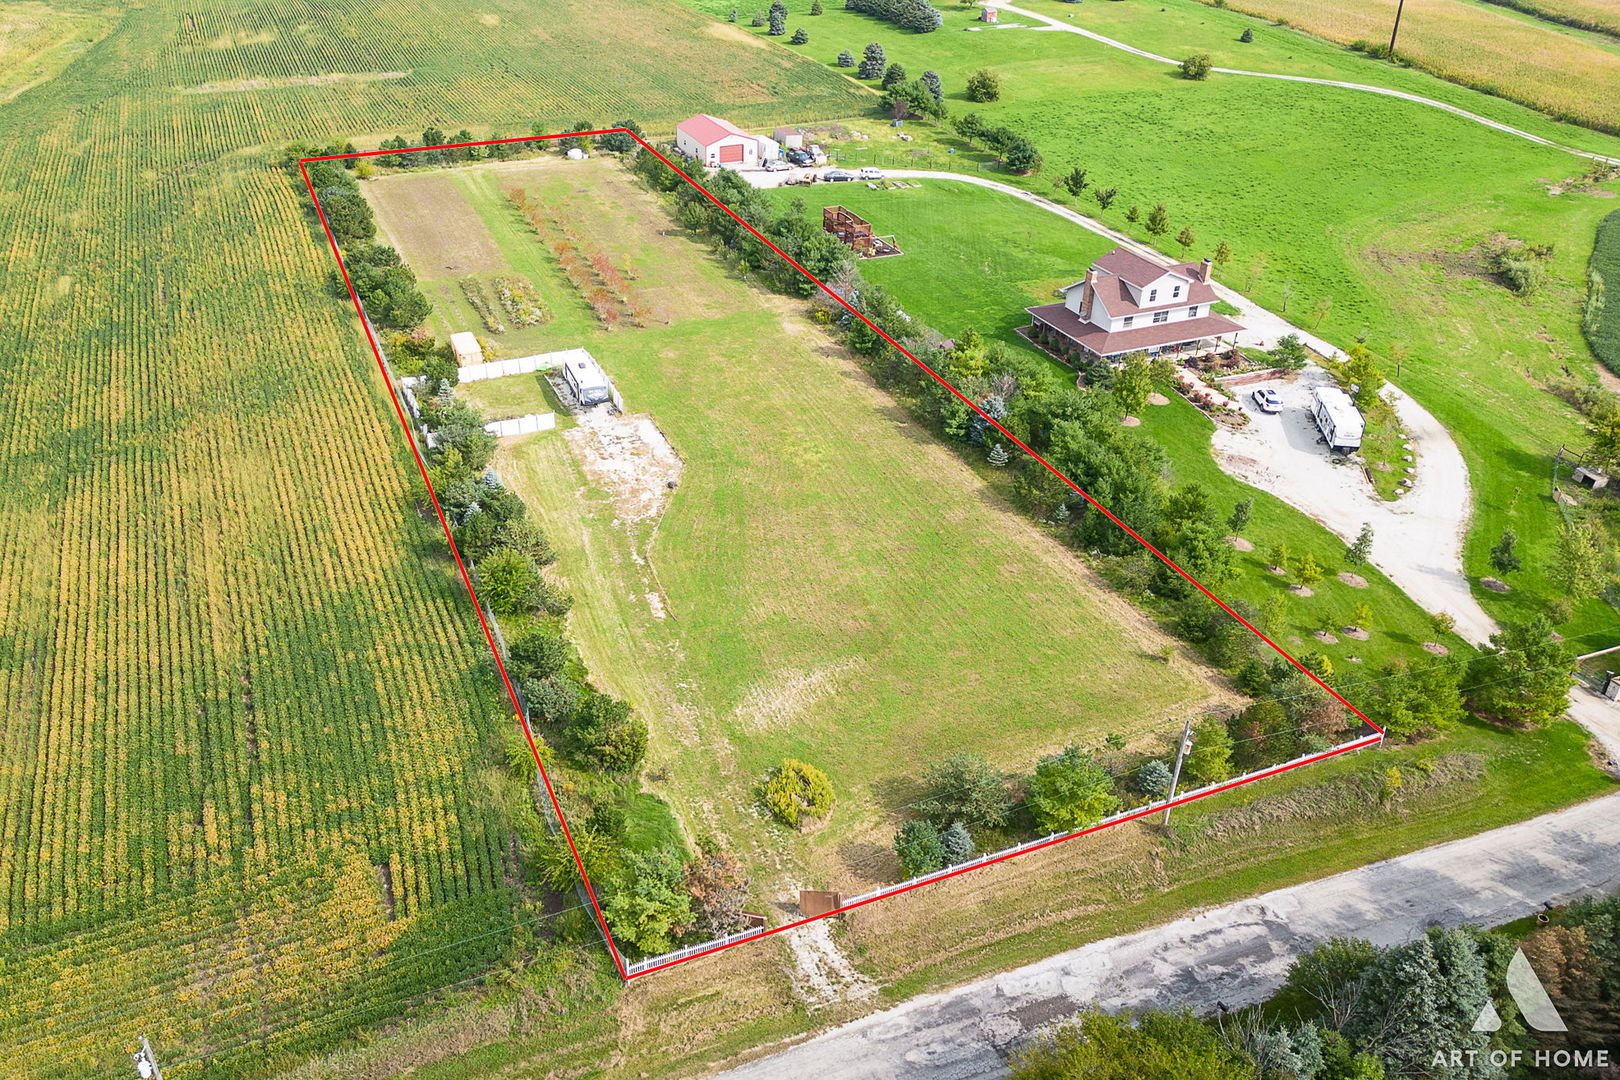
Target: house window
1192, 312
1175, 295
1129, 319
1153, 294
1160, 316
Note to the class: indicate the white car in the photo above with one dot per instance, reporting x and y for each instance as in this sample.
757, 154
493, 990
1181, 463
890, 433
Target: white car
777, 165
1267, 400
869, 172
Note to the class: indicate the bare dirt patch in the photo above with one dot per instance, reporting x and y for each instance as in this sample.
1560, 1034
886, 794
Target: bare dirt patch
1355, 581
1240, 544
1436, 648
1325, 638
1495, 584
428, 219
1354, 632
629, 458
824, 974
1302, 590
1157, 398
1130, 421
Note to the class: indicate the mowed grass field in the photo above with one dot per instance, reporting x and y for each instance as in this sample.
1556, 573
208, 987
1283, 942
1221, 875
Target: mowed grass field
1556, 69
1375, 205
836, 586
249, 794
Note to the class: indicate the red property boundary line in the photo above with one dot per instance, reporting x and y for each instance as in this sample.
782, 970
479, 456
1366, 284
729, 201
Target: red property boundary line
466, 579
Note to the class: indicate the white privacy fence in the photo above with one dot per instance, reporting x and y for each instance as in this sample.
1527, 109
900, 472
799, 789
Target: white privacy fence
665, 959
518, 365
522, 425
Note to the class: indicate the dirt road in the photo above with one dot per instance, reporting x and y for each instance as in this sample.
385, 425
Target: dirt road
1235, 955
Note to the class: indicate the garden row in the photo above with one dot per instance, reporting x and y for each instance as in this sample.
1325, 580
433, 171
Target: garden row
605, 287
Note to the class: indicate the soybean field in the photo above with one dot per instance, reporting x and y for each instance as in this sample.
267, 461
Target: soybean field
249, 787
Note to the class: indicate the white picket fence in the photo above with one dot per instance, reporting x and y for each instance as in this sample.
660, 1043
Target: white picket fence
685, 952
518, 365
522, 425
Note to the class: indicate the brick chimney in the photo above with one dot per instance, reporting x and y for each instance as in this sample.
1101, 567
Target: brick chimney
1204, 269
1087, 289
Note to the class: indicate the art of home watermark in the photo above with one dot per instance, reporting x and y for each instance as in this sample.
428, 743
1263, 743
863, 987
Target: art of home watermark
1539, 1013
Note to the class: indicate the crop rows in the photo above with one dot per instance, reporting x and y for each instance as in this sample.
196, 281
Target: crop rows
246, 714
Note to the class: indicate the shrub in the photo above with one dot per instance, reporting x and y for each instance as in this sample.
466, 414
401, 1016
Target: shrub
649, 906
538, 654
1070, 791
1247, 35
508, 581
718, 889
795, 791
920, 849
846, 59
800, 37
984, 85
602, 732
1196, 66
964, 787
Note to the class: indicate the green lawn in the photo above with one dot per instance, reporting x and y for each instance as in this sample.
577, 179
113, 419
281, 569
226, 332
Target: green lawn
941, 226
834, 584
1373, 204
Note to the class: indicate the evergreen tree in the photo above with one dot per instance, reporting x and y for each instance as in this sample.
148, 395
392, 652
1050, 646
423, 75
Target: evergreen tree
957, 843
893, 77
1361, 548
846, 59
733, 17
815, 8
873, 62
920, 848
778, 24
936, 86
801, 36
1153, 779
757, 20
1247, 35
964, 787
997, 456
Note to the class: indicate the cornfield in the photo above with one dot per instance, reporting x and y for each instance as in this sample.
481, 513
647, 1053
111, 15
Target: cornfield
245, 794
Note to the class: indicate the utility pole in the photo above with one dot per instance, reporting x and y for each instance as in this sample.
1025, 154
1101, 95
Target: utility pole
1181, 755
146, 1066
1398, 9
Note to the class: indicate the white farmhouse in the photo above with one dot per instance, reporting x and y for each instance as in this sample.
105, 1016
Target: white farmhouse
1127, 303
720, 144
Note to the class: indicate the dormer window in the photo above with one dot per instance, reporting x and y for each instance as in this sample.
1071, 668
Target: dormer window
1176, 294
1129, 319
1153, 294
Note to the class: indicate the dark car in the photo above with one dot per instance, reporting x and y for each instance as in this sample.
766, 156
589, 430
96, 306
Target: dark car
798, 157
837, 175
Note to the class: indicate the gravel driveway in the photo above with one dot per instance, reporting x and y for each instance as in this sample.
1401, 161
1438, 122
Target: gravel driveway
1235, 955
1417, 539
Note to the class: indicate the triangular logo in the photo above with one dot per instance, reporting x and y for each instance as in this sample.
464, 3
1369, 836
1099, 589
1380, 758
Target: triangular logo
1528, 994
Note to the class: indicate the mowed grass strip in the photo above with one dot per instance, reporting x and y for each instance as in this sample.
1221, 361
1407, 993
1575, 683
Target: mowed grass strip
839, 586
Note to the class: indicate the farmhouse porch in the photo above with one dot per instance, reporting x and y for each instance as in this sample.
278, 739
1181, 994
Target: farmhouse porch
1060, 331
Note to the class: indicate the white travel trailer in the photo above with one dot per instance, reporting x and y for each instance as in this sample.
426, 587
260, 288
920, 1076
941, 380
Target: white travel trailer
585, 378
1338, 418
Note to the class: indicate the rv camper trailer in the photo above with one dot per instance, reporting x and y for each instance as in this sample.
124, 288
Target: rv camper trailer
1338, 418
586, 379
